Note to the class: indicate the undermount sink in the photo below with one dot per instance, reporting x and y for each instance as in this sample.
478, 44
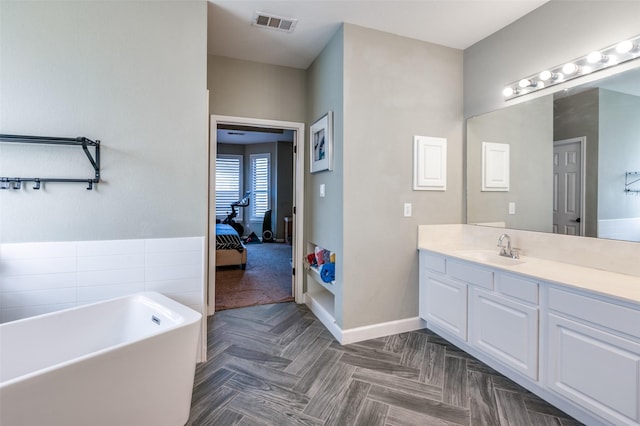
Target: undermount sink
489, 256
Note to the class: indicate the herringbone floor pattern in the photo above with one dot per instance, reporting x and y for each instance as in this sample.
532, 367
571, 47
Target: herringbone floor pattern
278, 365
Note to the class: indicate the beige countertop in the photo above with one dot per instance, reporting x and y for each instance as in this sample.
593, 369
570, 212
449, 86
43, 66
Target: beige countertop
606, 283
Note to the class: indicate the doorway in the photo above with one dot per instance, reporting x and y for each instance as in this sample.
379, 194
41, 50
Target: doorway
253, 216
568, 186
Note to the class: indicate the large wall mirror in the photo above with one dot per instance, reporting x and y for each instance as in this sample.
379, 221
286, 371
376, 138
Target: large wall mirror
573, 156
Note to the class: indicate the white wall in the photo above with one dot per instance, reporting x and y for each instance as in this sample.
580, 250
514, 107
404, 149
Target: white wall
553, 34
131, 74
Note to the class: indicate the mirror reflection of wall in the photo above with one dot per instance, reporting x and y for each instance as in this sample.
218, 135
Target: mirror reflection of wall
527, 128
606, 115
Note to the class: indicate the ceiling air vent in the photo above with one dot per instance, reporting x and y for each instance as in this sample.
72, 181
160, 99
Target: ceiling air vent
274, 22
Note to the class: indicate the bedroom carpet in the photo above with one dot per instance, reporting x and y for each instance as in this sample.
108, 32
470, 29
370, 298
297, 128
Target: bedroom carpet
267, 278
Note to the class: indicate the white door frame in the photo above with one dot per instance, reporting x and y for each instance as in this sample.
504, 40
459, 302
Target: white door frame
298, 202
582, 140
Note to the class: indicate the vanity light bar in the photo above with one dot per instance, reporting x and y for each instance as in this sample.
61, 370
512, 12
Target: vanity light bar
608, 57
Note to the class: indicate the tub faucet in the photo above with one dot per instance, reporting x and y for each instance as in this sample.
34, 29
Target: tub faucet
507, 251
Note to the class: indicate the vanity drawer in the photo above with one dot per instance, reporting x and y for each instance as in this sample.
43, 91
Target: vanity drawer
470, 274
432, 262
615, 317
517, 287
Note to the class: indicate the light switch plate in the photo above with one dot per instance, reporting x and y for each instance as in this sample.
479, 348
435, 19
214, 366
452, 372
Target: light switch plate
407, 209
512, 208
322, 189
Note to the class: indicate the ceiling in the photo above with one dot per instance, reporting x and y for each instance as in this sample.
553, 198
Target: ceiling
453, 23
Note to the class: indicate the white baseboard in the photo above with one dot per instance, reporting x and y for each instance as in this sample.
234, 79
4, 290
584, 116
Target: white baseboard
374, 331
325, 317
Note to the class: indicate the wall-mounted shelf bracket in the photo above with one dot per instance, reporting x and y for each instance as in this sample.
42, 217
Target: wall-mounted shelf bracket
85, 143
629, 179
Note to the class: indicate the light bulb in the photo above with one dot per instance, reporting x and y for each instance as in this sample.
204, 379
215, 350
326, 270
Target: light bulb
540, 85
508, 91
624, 46
545, 75
570, 68
525, 83
595, 57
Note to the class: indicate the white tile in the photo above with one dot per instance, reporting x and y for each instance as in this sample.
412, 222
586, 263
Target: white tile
37, 282
174, 244
114, 276
15, 299
173, 272
110, 247
94, 294
37, 250
13, 314
174, 258
49, 265
175, 286
102, 263
188, 299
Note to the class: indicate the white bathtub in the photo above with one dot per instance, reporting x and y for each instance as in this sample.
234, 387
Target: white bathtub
128, 361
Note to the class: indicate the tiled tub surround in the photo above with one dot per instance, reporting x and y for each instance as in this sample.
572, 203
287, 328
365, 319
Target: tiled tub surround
564, 322
37, 278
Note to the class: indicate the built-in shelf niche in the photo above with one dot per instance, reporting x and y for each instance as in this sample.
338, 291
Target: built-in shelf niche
320, 295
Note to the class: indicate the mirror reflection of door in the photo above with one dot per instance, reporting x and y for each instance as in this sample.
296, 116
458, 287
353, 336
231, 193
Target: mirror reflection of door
568, 187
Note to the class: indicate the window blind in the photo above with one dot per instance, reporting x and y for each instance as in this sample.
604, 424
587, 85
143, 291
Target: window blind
260, 184
228, 183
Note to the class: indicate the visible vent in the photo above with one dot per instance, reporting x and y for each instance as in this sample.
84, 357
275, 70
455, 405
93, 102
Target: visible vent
274, 22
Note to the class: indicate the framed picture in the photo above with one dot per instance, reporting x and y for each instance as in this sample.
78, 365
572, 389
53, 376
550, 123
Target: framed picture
321, 144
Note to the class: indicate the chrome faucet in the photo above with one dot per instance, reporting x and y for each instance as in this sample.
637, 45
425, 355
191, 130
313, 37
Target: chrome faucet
507, 251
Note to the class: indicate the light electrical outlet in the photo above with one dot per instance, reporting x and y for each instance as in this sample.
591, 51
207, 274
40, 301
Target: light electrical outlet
407, 209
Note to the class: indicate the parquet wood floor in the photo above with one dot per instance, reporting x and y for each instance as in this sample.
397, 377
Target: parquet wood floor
278, 365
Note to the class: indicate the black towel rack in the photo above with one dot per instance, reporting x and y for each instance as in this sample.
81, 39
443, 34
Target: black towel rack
85, 143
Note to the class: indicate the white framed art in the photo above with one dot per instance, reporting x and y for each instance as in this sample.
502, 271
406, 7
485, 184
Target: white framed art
321, 144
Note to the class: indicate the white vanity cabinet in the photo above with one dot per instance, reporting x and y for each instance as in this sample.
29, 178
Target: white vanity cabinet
495, 312
443, 301
504, 329
593, 354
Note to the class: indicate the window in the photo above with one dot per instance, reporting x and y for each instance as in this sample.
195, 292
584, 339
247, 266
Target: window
228, 183
260, 184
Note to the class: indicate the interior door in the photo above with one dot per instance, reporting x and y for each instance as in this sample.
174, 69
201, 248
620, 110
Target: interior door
568, 186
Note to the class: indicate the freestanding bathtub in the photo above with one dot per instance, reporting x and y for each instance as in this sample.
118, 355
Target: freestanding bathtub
128, 361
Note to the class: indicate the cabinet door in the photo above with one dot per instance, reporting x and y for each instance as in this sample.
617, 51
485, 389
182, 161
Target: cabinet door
446, 305
595, 369
504, 329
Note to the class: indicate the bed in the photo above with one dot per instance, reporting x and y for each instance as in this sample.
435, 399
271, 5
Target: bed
229, 248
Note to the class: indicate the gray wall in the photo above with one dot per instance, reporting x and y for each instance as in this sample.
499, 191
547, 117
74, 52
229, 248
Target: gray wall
394, 88
324, 216
250, 89
619, 152
551, 35
576, 116
284, 187
528, 130
132, 74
